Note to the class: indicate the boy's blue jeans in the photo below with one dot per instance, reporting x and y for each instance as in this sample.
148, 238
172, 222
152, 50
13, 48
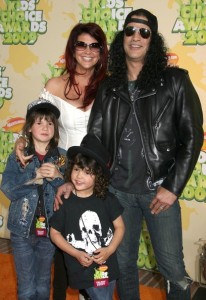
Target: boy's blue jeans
33, 260
166, 235
103, 293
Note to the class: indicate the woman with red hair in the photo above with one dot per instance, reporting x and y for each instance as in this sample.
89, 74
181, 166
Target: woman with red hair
74, 91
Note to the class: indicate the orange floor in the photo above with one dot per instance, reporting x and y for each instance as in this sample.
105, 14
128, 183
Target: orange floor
8, 284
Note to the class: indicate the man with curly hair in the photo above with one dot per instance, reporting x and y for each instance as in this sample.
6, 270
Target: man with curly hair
149, 117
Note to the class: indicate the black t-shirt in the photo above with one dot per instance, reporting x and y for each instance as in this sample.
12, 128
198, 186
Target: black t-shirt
86, 223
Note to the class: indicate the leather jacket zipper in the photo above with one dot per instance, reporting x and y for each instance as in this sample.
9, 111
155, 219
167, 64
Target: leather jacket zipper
147, 162
115, 130
159, 116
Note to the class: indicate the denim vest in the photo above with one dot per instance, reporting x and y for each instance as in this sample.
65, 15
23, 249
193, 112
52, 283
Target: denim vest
18, 185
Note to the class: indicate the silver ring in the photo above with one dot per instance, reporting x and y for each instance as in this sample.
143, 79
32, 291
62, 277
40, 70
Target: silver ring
161, 207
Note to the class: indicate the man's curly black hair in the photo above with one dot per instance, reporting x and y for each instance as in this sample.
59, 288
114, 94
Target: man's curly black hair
85, 162
155, 62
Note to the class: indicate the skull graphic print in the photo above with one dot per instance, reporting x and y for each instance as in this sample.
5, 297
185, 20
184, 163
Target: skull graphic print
91, 233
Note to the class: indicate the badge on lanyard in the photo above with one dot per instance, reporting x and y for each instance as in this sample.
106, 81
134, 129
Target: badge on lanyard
40, 226
101, 276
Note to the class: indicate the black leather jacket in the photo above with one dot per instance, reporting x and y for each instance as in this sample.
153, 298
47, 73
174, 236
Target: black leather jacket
170, 122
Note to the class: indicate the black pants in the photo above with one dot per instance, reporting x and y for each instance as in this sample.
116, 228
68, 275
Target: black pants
61, 282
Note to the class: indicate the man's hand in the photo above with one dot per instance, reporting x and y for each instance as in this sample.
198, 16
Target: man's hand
162, 201
19, 149
65, 190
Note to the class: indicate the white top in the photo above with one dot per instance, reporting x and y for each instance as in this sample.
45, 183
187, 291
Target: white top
72, 121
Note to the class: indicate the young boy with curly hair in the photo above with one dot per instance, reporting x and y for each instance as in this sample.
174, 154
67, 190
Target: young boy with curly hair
88, 227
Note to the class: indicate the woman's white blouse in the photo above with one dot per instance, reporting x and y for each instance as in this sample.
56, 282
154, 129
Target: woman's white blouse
72, 121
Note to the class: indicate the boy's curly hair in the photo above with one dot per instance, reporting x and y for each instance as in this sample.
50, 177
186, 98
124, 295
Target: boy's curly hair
85, 162
155, 62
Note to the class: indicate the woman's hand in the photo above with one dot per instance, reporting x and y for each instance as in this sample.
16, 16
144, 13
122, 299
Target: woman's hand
19, 149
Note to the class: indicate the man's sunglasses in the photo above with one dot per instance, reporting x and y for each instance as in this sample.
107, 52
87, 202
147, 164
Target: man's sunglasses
144, 32
82, 46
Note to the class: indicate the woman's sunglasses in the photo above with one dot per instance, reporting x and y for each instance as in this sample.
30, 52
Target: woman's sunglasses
144, 32
82, 46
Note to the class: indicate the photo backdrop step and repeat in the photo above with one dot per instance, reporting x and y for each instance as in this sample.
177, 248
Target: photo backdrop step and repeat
33, 35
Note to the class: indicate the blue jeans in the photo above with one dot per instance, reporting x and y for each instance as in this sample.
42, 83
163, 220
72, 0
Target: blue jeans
103, 293
166, 236
33, 260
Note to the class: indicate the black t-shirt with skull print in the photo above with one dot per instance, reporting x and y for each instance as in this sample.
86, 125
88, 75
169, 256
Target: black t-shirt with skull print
87, 224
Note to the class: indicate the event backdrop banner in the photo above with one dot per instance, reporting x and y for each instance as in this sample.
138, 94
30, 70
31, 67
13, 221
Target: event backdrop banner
33, 35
